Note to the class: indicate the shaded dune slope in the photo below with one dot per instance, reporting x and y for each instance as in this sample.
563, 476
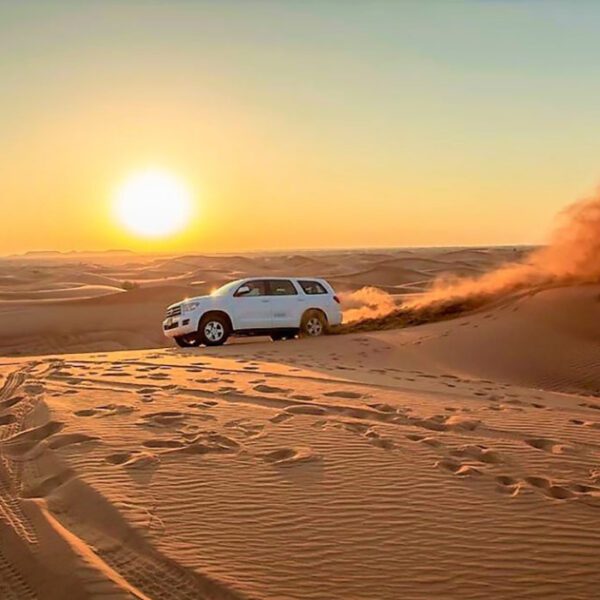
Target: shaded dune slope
548, 339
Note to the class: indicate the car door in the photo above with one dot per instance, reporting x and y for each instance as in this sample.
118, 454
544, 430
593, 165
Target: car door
252, 308
286, 303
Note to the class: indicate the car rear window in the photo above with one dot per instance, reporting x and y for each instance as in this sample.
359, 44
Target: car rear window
282, 287
312, 287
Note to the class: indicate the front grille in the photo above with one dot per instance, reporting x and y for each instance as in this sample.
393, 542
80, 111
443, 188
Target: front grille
172, 325
174, 311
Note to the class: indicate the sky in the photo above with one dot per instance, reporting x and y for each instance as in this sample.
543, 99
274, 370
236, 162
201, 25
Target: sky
299, 123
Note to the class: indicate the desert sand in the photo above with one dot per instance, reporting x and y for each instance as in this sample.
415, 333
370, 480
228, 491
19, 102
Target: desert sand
76, 302
459, 459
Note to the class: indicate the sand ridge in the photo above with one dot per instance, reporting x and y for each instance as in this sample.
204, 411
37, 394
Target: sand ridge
272, 470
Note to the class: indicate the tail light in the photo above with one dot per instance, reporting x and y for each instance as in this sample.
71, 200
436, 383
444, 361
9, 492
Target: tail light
337, 299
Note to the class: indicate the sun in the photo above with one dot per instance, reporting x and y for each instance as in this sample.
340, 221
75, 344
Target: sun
153, 203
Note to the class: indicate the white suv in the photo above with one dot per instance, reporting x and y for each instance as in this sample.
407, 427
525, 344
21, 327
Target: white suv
276, 306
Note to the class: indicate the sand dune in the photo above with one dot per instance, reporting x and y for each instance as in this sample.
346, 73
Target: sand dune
453, 460
54, 292
548, 339
386, 465
55, 302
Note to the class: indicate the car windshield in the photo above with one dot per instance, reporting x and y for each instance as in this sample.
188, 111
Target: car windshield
225, 289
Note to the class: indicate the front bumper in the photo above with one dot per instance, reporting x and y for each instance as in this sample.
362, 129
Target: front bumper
181, 325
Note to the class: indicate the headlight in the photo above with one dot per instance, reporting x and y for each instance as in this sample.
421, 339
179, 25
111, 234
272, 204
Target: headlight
189, 307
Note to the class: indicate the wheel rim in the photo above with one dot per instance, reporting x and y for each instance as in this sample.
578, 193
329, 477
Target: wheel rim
314, 326
214, 331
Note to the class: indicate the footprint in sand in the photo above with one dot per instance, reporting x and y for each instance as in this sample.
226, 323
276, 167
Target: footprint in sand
106, 410
457, 468
432, 423
592, 424
464, 423
86, 412
590, 405
477, 453
366, 431
211, 442
343, 394
302, 409
548, 445
162, 418
356, 427
378, 440
558, 492
302, 397
33, 389
290, 456
137, 460
269, 389
427, 440
156, 443
246, 428
158, 376
227, 389
508, 485
281, 417
383, 407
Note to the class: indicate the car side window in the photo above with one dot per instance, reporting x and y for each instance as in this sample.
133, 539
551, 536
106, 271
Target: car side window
251, 289
312, 287
282, 287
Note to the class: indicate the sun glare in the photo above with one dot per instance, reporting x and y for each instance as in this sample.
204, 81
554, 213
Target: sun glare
153, 203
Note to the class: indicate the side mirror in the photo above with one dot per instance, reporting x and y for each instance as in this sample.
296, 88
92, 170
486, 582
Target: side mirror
242, 291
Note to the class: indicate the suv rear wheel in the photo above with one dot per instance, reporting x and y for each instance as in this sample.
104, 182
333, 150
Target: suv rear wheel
213, 330
314, 323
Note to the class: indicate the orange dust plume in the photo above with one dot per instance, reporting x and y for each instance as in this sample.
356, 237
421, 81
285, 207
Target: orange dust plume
572, 256
366, 303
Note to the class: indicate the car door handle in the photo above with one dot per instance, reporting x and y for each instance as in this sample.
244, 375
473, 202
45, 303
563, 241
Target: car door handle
265, 300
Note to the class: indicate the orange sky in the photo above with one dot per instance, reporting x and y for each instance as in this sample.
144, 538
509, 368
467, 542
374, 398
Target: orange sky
331, 125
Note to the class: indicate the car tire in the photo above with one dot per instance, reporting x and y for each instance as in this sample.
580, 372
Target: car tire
214, 330
314, 324
191, 340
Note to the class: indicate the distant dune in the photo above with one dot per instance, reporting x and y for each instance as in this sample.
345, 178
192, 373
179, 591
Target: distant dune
453, 460
73, 302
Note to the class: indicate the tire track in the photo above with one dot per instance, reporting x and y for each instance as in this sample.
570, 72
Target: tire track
121, 560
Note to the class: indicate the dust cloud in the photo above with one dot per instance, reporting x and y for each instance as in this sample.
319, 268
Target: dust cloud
571, 257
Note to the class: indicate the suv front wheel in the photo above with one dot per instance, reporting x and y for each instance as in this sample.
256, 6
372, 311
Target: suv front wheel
213, 330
